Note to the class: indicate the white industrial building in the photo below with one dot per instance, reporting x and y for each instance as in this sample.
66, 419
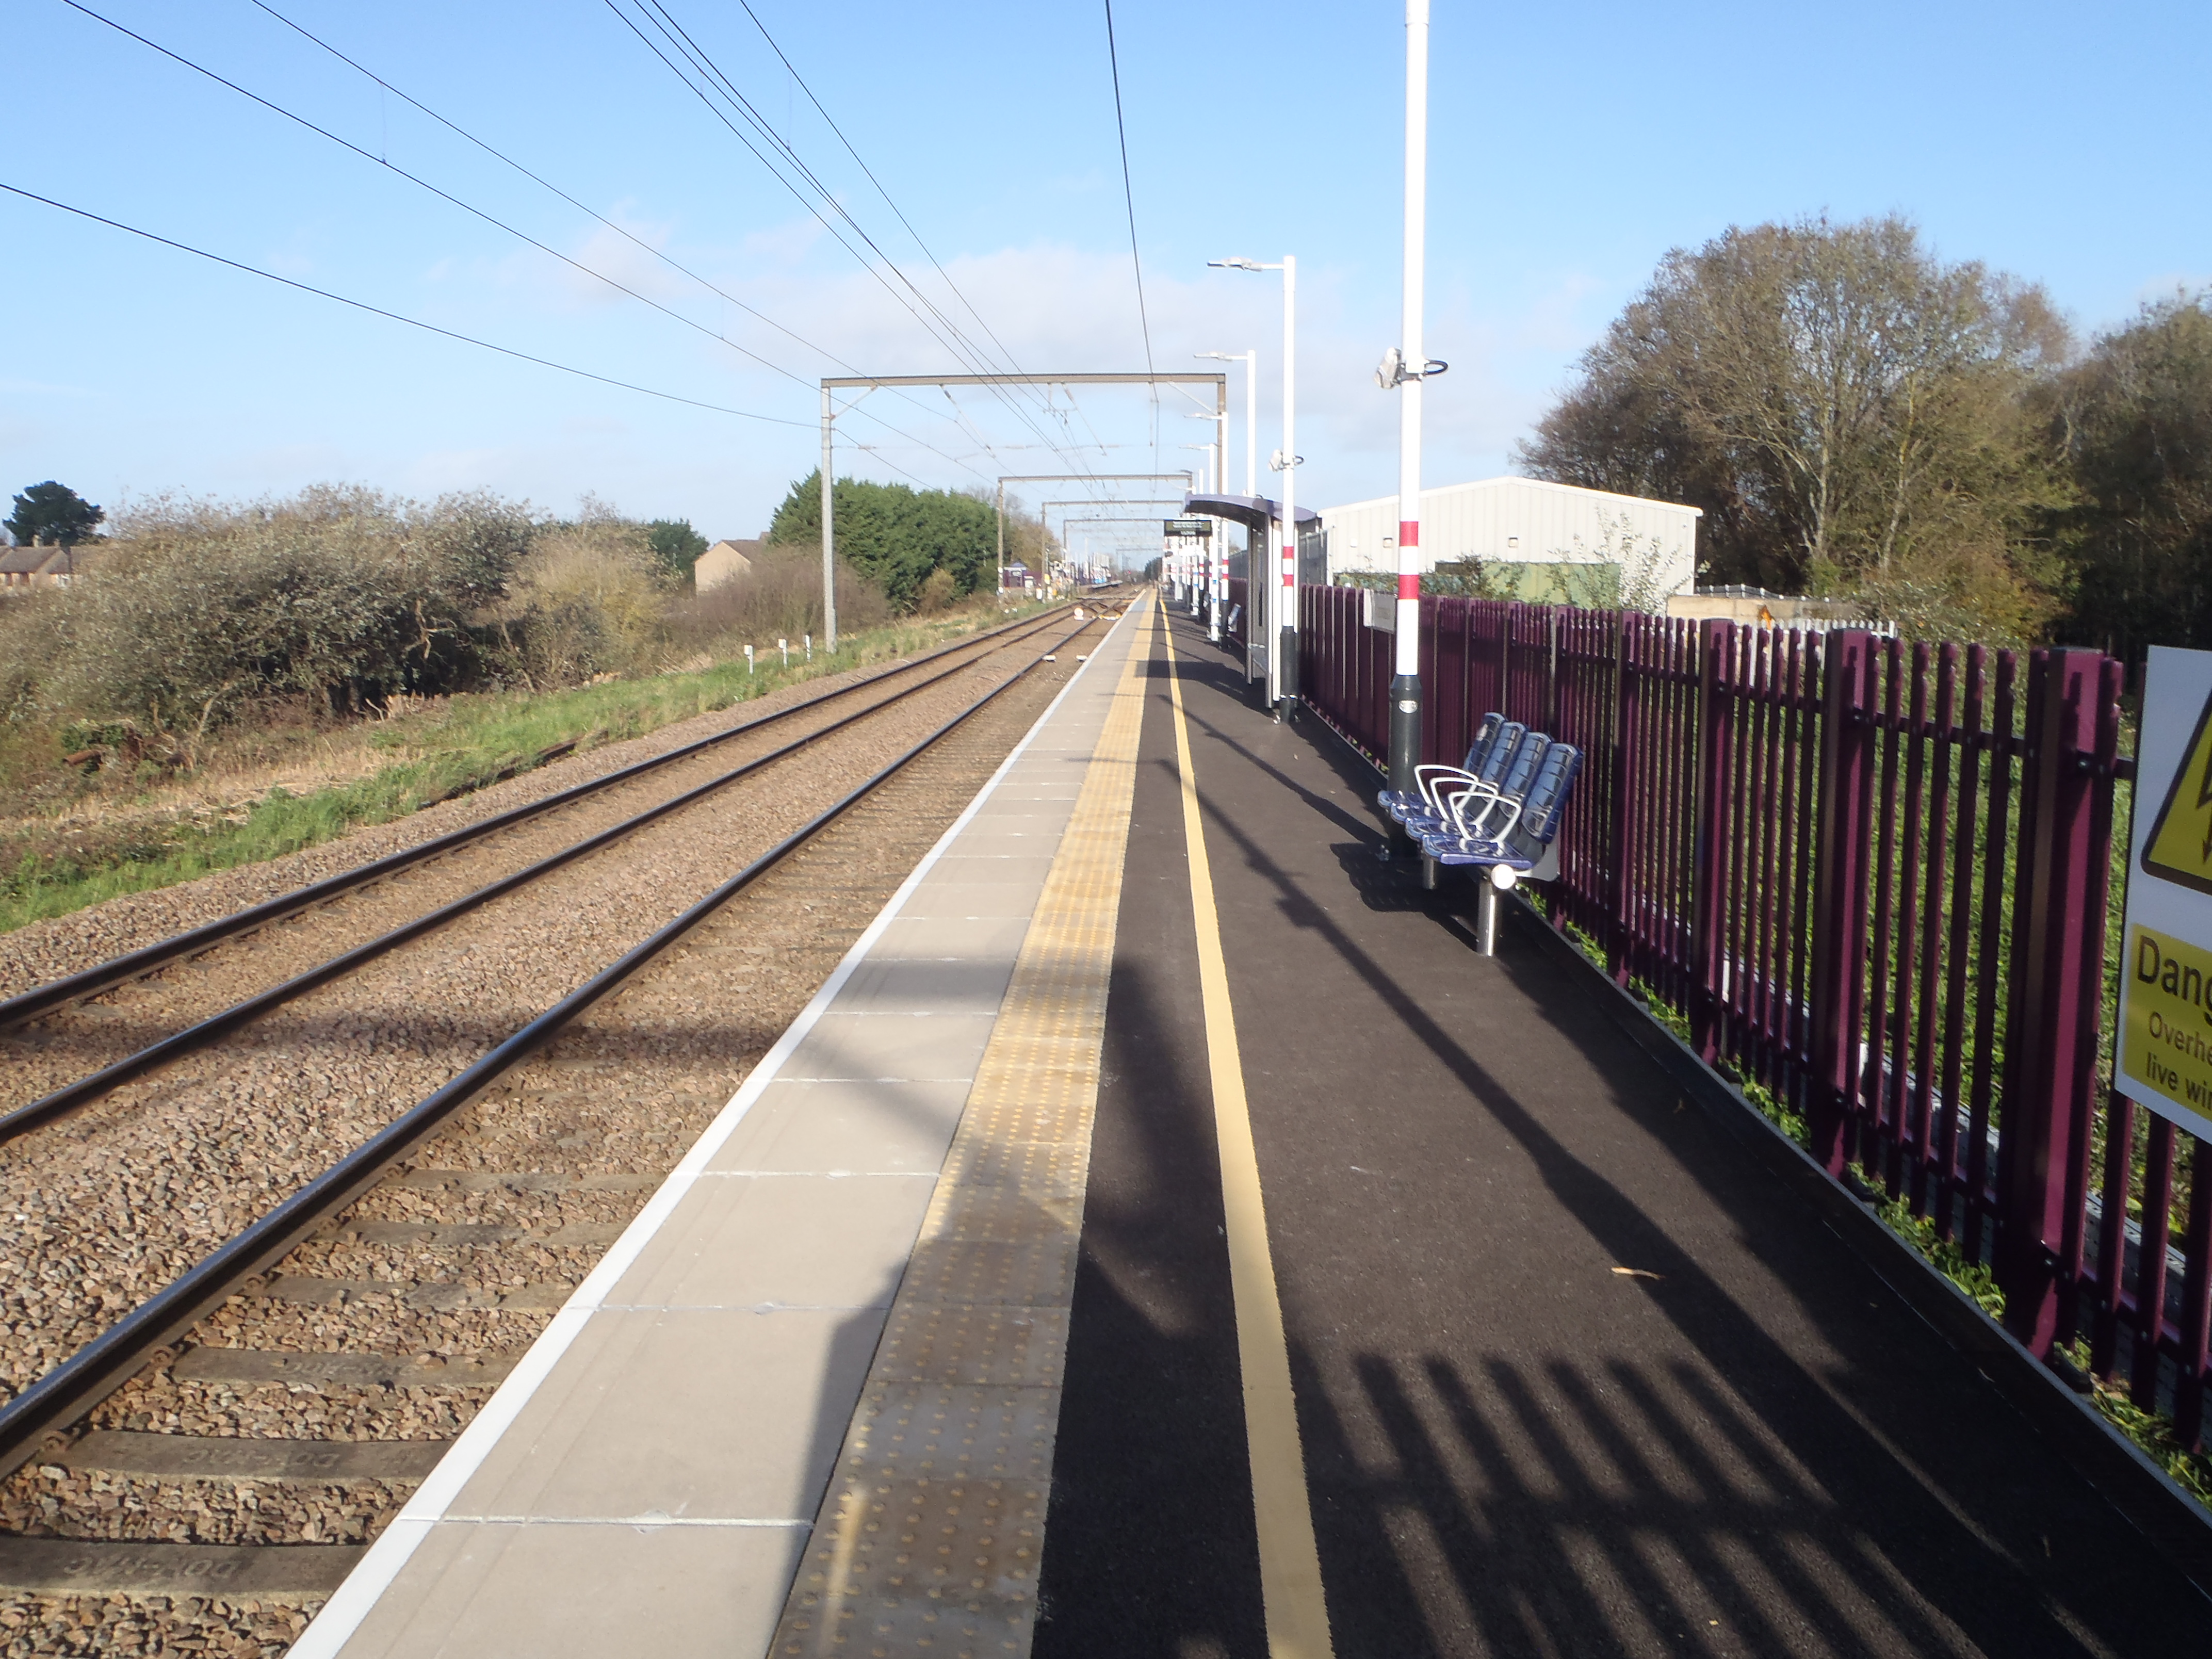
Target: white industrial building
1522, 521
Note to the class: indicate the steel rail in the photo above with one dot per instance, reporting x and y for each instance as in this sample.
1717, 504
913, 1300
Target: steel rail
205, 1032
90, 982
52, 1402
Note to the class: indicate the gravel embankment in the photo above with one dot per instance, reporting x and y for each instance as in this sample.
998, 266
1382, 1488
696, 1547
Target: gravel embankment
43, 950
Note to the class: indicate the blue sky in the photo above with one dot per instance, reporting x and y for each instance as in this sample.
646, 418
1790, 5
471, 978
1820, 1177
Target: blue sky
1571, 147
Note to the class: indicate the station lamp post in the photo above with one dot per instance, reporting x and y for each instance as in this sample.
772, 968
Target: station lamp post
1251, 361
1206, 450
1219, 556
1217, 475
1283, 660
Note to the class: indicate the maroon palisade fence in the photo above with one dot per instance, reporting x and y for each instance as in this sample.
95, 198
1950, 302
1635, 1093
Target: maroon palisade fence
1869, 878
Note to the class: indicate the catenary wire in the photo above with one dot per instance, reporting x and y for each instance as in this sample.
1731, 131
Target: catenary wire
664, 20
800, 80
1129, 198
478, 213
966, 357
378, 311
962, 350
618, 229
1128, 192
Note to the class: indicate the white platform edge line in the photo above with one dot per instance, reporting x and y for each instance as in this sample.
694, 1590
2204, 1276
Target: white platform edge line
630, 1523
342, 1615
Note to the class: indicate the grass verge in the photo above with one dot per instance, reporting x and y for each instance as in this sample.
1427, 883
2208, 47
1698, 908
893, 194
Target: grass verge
453, 747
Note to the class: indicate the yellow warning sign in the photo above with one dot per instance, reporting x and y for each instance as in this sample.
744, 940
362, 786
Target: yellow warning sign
2165, 1033
2180, 847
2163, 1059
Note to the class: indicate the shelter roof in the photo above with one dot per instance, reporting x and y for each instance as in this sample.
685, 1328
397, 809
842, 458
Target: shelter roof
1253, 512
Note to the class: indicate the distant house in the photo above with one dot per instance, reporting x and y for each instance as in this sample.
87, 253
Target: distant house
43, 564
725, 561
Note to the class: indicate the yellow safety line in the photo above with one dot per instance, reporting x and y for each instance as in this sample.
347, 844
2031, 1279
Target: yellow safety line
1290, 1562
928, 1539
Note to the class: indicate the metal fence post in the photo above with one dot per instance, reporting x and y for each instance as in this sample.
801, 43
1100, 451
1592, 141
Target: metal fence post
1709, 847
2058, 979
1505, 632
1551, 690
1839, 947
1621, 866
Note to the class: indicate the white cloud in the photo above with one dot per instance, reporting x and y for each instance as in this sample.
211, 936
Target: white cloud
1054, 307
2166, 285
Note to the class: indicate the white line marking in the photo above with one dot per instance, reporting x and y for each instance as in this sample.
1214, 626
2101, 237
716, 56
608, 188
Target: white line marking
642, 1522
740, 1307
373, 1574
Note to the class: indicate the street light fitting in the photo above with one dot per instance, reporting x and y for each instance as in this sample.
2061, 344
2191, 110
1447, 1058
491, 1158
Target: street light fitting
1392, 372
1240, 263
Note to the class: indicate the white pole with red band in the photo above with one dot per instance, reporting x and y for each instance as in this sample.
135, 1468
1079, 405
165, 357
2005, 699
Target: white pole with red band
1406, 678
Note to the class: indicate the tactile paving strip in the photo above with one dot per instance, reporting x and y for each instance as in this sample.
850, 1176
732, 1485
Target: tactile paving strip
929, 1538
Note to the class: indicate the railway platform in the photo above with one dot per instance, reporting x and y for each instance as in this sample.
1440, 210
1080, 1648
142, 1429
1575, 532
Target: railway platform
1165, 1235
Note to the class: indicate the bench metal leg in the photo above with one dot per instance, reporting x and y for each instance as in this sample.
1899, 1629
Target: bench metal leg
1485, 919
1428, 872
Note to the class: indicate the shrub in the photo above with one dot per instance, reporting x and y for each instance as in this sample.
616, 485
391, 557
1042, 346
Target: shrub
780, 596
588, 599
198, 611
939, 590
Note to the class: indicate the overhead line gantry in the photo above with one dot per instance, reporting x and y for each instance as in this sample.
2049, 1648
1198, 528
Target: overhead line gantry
866, 383
1073, 477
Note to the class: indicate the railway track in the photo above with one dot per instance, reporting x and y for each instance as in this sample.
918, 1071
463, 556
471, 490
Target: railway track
63, 990
325, 1287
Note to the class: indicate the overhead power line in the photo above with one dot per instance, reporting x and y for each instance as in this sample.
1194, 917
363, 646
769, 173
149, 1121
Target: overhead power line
718, 85
418, 180
1129, 199
497, 223
622, 231
501, 157
799, 80
1129, 191
378, 311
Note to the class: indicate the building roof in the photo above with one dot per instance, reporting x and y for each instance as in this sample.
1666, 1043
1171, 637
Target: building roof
39, 560
1514, 481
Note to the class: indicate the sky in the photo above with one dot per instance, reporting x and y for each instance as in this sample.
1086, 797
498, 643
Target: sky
1572, 146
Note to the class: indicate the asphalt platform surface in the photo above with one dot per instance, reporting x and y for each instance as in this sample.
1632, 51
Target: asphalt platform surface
1574, 1377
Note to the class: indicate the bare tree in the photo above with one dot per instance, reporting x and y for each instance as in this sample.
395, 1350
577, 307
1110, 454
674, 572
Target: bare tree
1848, 409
